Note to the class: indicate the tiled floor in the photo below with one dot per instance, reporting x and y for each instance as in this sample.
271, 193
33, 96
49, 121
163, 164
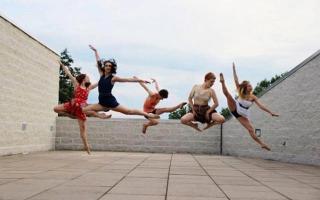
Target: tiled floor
73, 175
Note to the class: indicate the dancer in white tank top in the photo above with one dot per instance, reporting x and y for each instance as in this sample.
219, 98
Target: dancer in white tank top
239, 107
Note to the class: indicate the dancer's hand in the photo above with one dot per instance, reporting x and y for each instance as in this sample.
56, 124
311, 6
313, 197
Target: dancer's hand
140, 80
92, 48
274, 115
233, 66
153, 80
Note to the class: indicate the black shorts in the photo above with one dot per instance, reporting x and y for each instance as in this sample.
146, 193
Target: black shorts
108, 101
235, 113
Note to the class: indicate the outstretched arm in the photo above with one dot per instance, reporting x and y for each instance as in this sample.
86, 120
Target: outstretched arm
95, 52
68, 73
136, 80
97, 58
156, 84
262, 107
235, 77
145, 87
93, 86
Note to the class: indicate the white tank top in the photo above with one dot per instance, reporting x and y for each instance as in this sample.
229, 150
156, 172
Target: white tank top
243, 107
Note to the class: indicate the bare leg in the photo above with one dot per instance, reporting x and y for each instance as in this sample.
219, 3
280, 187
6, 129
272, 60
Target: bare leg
98, 115
151, 122
231, 102
128, 111
62, 111
216, 119
93, 107
159, 111
187, 120
246, 123
83, 134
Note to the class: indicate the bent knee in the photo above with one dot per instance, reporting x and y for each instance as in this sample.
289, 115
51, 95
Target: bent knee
56, 109
155, 122
183, 120
221, 120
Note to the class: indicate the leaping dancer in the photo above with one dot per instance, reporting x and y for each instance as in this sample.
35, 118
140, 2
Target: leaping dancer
239, 107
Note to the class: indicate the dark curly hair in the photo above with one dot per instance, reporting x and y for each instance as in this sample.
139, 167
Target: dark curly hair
164, 93
101, 63
80, 78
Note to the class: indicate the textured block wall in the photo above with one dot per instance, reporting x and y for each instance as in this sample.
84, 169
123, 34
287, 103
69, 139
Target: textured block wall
125, 135
295, 135
29, 85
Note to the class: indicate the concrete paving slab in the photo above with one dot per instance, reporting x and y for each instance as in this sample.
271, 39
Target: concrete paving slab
130, 176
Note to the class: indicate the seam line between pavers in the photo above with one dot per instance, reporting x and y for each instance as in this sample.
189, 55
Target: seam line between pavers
257, 180
59, 184
123, 178
210, 177
288, 176
166, 196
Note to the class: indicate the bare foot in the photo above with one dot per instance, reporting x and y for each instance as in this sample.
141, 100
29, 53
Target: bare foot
209, 125
104, 116
266, 147
182, 104
144, 128
221, 78
195, 126
152, 116
87, 149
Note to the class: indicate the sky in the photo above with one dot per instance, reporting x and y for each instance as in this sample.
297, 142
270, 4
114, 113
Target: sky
174, 41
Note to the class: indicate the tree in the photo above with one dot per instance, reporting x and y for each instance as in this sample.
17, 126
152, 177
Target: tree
264, 84
180, 112
65, 85
226, 113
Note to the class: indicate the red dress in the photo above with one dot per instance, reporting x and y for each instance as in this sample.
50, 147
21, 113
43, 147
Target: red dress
75, 105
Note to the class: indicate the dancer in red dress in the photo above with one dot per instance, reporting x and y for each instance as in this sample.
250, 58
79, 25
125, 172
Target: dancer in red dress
73, 108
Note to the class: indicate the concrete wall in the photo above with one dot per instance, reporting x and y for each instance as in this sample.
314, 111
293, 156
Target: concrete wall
295, 135
125, 135
29, 85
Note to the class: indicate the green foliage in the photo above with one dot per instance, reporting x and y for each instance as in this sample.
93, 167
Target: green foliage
261, 86
65, 84
226, 113
264, 84
180, 112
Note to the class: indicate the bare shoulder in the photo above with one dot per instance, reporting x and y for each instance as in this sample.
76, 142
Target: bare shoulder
253, 97
212, 91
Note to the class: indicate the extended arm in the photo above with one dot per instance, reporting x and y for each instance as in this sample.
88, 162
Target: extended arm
144, 87
93, 86
68, 73
97, 58
264, 108
156, 84
119, 79
235, 77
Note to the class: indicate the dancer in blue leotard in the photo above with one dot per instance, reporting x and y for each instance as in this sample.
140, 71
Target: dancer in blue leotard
107, 69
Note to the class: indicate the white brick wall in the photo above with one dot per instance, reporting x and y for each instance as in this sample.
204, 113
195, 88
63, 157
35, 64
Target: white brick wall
295, 135
29, 81
125, 135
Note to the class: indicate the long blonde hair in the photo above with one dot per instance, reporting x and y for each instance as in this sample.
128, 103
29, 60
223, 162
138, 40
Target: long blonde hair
243, 91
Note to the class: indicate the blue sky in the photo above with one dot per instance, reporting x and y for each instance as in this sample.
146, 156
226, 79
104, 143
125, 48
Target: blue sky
175, 41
